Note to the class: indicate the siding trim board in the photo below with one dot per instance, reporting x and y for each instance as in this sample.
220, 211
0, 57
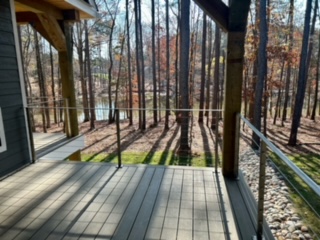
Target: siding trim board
3, 142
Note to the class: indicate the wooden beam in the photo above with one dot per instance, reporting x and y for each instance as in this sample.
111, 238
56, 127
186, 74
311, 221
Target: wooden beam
26, 17
40, 29
40, 6
71, 15
238, 13
54, 31
217, 10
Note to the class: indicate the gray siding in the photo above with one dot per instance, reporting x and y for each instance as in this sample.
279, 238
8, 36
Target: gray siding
11, 103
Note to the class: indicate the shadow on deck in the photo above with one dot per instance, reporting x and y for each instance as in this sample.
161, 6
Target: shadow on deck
64, 200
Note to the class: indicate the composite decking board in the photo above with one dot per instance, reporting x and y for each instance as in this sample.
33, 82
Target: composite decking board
229, 224
127, 220
88, 201
57, 146
157, 218
88, 198
125, 188
141, 223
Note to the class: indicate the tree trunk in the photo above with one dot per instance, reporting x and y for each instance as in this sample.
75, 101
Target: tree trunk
53, 88
129, 64
166, 124
313, 114
91, 93
302, 78
119, 72
159, 64
215, 95
183, 75
154, 74
262, 71
288, 76
83, 81
41, 81
208, 98
141, 57
310, 53
177, 61
110, 48
276, 111
203, 67
255, 67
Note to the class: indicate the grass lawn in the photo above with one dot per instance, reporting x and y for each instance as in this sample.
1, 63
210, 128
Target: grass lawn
310, 165
155, 158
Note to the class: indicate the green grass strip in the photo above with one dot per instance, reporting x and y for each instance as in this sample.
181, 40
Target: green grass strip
154, 158
306, 163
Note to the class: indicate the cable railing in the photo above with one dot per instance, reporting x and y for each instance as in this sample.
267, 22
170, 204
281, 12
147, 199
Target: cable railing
118, 142
261, 157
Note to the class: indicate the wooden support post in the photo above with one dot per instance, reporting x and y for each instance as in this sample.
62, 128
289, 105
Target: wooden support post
237, 22
68, 88
233, 90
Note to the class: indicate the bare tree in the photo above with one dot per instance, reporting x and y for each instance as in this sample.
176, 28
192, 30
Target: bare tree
302, 79
183, 75
262, 70
203, 67
215, 95
166, 123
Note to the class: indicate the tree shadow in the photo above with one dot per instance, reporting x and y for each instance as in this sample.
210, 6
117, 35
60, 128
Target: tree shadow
206, 146
152, 151
166, 151
131, 137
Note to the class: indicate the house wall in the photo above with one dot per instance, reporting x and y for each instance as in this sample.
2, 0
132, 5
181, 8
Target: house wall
11, 96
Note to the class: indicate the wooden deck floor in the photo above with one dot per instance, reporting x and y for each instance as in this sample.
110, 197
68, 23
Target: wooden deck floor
55, 146
62, 200
43, 140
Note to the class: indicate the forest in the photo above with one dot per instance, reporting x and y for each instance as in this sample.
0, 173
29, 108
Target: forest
136, 47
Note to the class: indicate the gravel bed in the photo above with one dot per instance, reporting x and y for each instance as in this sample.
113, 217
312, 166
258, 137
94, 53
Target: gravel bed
283, 219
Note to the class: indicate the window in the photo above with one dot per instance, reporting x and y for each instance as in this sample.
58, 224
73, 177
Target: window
3, 146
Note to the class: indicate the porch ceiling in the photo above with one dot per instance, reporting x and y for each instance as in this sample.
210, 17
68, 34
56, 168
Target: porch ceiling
56, 7
46, 17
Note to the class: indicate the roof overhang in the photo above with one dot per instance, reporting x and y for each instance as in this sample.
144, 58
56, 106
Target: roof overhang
58, 8
47, 16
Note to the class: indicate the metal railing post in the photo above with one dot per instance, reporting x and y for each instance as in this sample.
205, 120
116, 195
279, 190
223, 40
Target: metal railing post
118, 138
237, 142
67, 117
216, 147
262, 178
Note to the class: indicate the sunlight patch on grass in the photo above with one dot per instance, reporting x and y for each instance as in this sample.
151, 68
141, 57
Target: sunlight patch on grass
310, 164
154, 158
